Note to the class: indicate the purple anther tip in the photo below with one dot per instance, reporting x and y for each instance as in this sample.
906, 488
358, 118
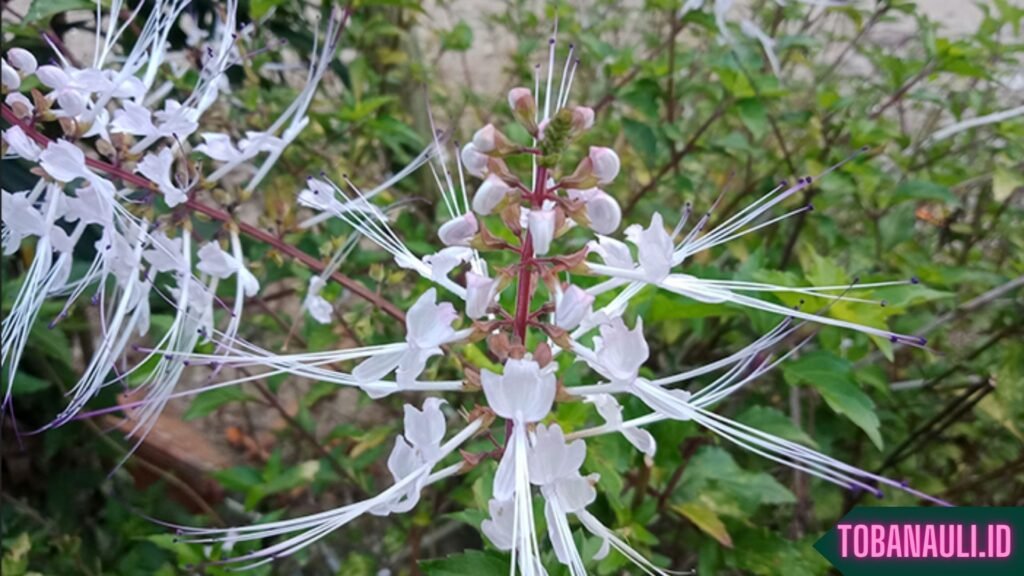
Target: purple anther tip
915, 280
810, 207
884, 303
51, 325
551, 40
922, 340
784, 183
809, 179
894, 338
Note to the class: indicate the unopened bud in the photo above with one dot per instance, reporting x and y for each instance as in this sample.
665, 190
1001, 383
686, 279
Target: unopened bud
459, 231
524, 108
601, 166
603, 214
582, 119
473, 161
23, 60
541, 224
489, 140
489, 195
480, 292
52, 77
10, 78
574, 305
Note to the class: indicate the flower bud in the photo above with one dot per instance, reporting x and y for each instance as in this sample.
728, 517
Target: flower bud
52, 77
489, 195
574, 305
602, 210
489, 140
11, 80
480, 292
582, 119
23, 60
524, 108
601, 166
20, 105
473, 161
605, 164
541, 224
459, 231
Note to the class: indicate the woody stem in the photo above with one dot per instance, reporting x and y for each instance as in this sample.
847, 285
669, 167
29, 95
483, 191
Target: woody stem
524, 287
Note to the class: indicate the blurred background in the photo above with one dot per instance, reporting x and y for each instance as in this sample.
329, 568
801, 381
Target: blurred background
694, 113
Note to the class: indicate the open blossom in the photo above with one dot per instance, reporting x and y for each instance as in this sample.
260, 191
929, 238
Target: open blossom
137, 256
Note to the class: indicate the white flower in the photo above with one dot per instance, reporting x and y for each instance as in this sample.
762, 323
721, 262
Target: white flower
610, 409
317, 306
66, 162
620, 352
604, 163
524, 393
480, 293
489, 140
217, 263
158, 168
500, 527
572, 307
654, 248
542, 229
428, 327
490, 193
16, 100
442, 262
165, 253
89, 205
459, 231
219, 147
134, 119
19, 143
520, 99
603, 212
420, 445
551, 459
23, 60
474, 161
582, 118
614, 252
21, 219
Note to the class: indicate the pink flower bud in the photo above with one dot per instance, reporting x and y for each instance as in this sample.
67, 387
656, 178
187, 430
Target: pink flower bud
521, 100
489, 195
605, 164
474, 162
574, 305
603, 212
480, 292
542, 229
459, 231
23, 60
489, 140
582, 118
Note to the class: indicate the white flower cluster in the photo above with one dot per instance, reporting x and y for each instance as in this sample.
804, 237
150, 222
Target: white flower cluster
537, 456
125, 148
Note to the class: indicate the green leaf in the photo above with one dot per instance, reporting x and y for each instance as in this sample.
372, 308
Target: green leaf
753, 116
705, 519
209, 401
832, 377
922, 190
776, 423
459, 38
45, 9
471, 563
25, 384
642, 139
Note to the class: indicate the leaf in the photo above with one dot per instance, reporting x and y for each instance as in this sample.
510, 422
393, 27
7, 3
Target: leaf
1004, 182
209, 401
458, 39
832, 377
642, 139
45, 9
471, 563
922, 190
753, 116
776, 423
705, 519
25, 384
259, 8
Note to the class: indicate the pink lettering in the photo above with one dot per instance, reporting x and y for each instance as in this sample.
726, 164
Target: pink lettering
894, 550
860, 541
911, 540
1001, 545
844, 531
930, 547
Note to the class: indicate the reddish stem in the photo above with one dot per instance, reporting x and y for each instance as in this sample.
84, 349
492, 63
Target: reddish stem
524, 288
217, 214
